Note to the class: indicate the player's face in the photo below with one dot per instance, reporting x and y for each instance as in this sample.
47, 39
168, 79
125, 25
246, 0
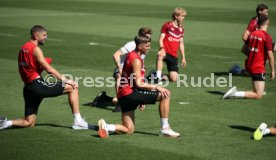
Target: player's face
41, 37
180, 18
145, 47
264, 12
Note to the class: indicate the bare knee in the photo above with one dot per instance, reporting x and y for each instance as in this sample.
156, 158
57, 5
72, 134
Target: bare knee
130, 131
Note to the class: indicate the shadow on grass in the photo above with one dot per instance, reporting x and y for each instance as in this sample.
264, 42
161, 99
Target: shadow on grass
216, 92
227, 74
53, 125
243, 128
135, 132
104, 106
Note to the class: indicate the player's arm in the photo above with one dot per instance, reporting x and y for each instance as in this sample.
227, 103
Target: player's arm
245, 35
117, 59
182, 51
138, 80
161, 44
49, 69
271, 64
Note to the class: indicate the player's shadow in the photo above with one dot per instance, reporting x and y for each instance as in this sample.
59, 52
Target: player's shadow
52, 125
105, 106
243, 128
227, 74
216, 92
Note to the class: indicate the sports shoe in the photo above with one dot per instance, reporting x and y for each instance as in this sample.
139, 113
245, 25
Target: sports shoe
103, 131
230, 93
258, 134
117, 109
78, 125
3, 122
168, 132
99, 99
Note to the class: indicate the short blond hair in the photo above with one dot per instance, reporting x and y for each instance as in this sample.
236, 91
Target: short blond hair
178, 11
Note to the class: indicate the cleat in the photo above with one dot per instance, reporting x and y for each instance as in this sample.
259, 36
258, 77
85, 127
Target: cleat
230, 93
3, 122
168, 132
258, 134
78, 125
99, 99
117, 109
103, 131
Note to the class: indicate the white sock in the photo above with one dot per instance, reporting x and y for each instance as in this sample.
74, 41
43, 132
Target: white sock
266, 131
77, 117
9, 123
239, 94
158, 74
164, 123
111, 127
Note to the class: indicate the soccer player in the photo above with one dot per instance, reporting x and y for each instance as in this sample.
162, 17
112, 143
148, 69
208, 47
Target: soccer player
259, 49
171, 39
134, 92
31, 62
119, 58
263, 130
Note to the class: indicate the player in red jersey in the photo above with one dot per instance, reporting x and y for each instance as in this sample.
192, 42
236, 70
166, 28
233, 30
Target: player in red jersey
261, 9
31, 62
259, 49
134, 92
171, 39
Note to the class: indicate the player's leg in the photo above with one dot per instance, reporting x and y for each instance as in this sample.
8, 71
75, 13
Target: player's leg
173, 76
159, 64
164, 109
172, 67
127, 126
258, 90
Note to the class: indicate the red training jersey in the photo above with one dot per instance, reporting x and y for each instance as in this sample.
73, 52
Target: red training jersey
252, 25
172, 38
29, 68
259, 43
127, 84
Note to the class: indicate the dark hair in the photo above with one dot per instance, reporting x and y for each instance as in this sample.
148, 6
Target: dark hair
141, 39
262, 19
36, 28
261, 7
144, 30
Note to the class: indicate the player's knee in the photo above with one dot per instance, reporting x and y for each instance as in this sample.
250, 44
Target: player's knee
173, 78
130, 131
259, 96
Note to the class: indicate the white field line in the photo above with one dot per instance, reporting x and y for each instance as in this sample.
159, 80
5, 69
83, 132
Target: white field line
215, 56
184, 103
48, 15
234, 62
102, 44
53, 39
7, 35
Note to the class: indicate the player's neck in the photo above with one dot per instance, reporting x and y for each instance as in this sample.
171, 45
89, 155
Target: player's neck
175, 23
34, 42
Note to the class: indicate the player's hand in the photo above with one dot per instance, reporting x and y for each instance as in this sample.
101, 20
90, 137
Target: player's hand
272, 75
72, 83
142, 107
161, 52
184, 63
165, 93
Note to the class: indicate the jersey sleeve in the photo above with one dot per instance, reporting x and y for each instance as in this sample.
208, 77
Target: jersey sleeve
128, 47
252, 25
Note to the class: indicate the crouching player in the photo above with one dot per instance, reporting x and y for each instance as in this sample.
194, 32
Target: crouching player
134, 92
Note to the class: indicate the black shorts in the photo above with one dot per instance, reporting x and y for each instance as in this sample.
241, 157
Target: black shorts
258, 77
137, 97
172, 63
38, 89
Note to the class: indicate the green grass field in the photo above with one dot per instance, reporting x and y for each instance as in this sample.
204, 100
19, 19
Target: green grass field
210, 128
